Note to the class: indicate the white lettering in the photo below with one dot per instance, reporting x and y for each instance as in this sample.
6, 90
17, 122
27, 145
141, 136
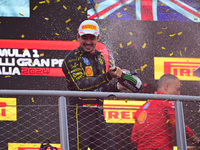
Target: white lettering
55, 62
35, 54
7, 62
9, 71
24, 62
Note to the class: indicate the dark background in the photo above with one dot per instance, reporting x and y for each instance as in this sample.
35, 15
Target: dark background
113, 32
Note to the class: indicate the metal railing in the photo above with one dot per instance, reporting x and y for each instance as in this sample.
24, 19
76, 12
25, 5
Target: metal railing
64, 139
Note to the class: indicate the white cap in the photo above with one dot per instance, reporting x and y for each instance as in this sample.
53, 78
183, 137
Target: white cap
88, 27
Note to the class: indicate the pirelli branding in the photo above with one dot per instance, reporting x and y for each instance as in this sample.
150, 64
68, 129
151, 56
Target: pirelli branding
182, 68
89, 26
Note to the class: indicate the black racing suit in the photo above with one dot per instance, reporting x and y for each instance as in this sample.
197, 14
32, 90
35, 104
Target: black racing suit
87, 127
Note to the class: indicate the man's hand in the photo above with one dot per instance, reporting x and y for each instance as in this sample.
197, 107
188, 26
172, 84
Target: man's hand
115, 73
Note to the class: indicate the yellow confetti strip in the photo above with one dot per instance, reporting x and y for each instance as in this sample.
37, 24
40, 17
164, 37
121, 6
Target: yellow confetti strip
79, 7
144, 45
162, 4
198, 11
104, 29
195, 19
185, 48
167, 121
64, 7
137, 69
82, 12
163, 48
167, 10
129, 43
120, 45
85, 9
24, 49
179, 33
164, 28
42, 54
97, 5
126, 100
36, 130
125, 9
119, 15
142, 67
171, 54
32, 63
57, 1
57, 34
68, 20
35, 7
116, 53
22, 36
180, 53
46, 18
47, 1
160, 32
0, 21
7, 76
130, 33
32, 100
68, 28
171, 35
42, 2
104, 16
74, 40
21, 14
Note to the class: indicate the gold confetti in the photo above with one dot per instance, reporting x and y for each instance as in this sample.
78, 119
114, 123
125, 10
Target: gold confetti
82, 12
57, 1
68, 20
24, 49
104, 29
32, 100
35, 7
85, 9
167, 10
130, 33
104, 16
171, 54
163, 48
0, 21
116, 53
137, 69
46, 18
167, 121
57, 34
142, 67
179, 33
21, 14
96, 5
125, 9
32, 63
74, 40
195, 19
22, 36
64, 7
7, 76
42, 2
162, 4
180, 53
47, 1
79, 7
119, 15
164, 28
185, 48
126, 100
42, 54
120, 45
159, 32
36, 130
144, 45
68, 28
171, 35
129, 43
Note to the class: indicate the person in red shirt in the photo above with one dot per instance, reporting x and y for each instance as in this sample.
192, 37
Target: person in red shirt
155, 121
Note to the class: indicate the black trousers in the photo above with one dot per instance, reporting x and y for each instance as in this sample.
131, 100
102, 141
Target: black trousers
87, 128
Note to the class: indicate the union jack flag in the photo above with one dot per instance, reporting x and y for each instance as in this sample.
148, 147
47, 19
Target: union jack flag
153, 10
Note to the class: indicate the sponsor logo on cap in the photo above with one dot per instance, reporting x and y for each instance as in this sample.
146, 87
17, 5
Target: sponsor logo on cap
89, 26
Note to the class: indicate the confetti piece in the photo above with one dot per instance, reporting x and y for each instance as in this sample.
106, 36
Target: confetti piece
96, 5
104, 16
21, 14
167, 10
68, 28
132, 45
57, 34
7, 76
162, 4
22, 36
171, 35
179, 33
64, 7
32, 63
32, 100
116, 53
57, 1
163, 48
159, 32
185, 48
144, 45
24, 49
0, 21
47, 1
79, 7
125, 9
120, 45
36, 130
130, 33
42, 54
104, 29
164, 28
145, 84
180, 53
82, 12
42, 2
195, 19
74, 40
46, 18
167, 121
85, 9
137, 69
126, 100
171, 54
119, 15
129, 43
35, 7
142, 67
68, 20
